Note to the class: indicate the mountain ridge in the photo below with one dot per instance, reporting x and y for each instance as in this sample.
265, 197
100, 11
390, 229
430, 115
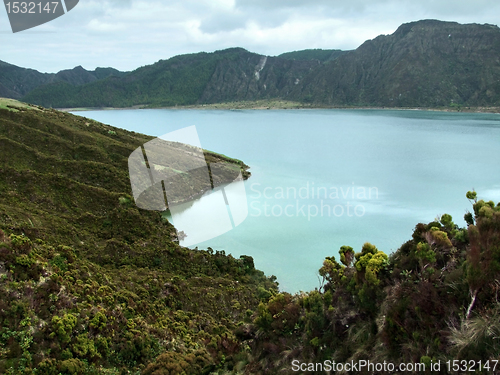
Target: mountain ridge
425, 64
230, 74
16, 82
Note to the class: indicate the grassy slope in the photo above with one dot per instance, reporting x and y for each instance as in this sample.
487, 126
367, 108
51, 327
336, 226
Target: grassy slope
87, 279
124, 296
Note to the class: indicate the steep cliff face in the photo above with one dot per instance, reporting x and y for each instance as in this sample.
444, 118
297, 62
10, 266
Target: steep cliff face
250, 76
426, 63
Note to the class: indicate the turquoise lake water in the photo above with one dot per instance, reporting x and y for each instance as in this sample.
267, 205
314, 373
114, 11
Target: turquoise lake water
326, 178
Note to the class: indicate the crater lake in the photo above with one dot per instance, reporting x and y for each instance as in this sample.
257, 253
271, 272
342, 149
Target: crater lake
325, 178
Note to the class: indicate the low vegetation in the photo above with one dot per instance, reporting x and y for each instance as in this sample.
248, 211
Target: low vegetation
90, 284
434, 299
87, 279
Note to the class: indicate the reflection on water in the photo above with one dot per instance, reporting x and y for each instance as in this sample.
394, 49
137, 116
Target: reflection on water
213, 214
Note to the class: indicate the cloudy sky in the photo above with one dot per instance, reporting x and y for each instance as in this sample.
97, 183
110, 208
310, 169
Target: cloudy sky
127, 34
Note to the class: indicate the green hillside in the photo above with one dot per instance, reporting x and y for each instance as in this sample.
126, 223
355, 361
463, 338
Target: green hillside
177, 81
16, 82
90, 284
87, 279
233, 74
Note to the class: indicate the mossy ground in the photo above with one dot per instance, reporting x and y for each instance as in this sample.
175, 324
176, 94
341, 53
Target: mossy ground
90, 283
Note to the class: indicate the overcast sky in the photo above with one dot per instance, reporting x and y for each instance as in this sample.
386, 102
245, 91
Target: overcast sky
127, 34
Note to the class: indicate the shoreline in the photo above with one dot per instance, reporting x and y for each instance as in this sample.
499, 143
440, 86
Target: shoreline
284, 105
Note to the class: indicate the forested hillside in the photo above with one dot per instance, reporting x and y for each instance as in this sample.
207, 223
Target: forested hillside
16, 82
229, 75
426, 63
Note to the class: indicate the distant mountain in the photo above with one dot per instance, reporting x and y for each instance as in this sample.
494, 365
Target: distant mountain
16, 82
229, 75
423, 64
322, 55
80, 76
426, 63
249, 76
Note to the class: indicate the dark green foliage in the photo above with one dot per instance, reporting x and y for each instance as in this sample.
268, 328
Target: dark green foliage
469, 218
89, 284
71, 366
346, 255
87, 280
483, 261
435, 298
471, 195
171, 363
